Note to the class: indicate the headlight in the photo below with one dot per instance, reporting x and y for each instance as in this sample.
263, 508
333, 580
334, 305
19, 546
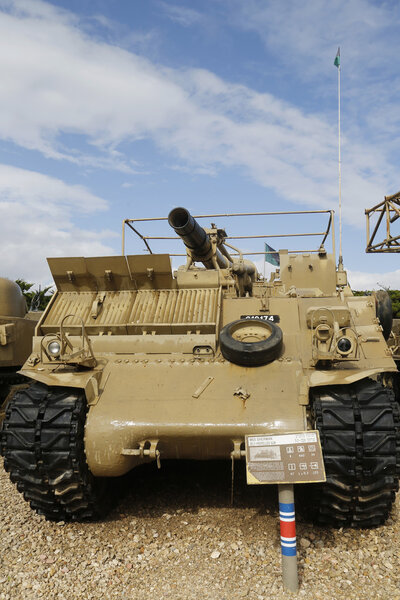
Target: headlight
344, 346
54, 348
323, 332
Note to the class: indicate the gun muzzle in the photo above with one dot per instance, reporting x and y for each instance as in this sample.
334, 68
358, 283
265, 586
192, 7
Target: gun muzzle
200, 248
193, 235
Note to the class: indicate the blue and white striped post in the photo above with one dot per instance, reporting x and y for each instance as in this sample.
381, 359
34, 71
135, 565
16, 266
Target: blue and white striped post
288, 537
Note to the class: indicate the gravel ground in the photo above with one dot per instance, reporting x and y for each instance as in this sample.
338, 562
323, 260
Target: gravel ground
174, 534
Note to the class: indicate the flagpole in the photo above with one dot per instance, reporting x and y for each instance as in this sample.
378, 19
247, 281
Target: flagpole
340, 172
340, 178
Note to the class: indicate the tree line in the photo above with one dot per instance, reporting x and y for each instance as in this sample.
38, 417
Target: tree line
36, 297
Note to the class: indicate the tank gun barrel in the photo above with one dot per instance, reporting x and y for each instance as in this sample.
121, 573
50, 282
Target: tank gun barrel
207, 246
196, 240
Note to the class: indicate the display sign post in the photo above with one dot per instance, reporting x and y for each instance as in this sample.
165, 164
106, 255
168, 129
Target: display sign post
287, 520
285, 459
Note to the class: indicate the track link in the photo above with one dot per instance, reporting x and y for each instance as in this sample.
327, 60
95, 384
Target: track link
42, 441
359, 428
8, 379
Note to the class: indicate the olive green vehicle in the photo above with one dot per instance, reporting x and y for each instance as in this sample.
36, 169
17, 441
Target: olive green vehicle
135, 362
17, 327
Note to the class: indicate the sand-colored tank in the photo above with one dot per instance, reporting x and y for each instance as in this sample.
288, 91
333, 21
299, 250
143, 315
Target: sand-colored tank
17, 327
135, 362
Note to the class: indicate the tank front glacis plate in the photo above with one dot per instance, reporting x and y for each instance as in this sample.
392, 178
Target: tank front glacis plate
153, 398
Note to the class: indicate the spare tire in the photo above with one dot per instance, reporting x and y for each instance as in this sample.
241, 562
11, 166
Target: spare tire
384, 312
250, 342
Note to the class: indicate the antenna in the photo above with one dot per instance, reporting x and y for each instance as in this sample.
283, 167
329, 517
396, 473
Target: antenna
340, 265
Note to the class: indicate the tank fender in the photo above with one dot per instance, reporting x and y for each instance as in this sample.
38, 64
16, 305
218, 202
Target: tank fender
340, 377
88, 381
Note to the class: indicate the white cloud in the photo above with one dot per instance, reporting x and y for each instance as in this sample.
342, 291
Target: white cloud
60, 83
374, 281
57, 80
43, 193
36, 222
181, 14
304, 37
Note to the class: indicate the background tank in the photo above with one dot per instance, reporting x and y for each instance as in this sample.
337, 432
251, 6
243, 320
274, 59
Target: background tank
16, 331
134, 362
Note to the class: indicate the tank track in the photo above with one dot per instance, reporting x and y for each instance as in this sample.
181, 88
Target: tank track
359, 428
8, 378
42, 441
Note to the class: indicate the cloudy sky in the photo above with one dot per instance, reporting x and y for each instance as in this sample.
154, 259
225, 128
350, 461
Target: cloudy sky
120, 109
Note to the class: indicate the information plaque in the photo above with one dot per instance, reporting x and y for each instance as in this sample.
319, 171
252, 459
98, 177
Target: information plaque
284, 458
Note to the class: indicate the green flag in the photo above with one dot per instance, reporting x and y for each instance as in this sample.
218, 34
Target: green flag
271, 256
336, 62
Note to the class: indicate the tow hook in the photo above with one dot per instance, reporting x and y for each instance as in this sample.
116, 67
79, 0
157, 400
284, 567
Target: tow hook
151, 452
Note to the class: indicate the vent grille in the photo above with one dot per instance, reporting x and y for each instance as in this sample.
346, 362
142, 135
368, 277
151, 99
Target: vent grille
134, 311
113, 312
163, 307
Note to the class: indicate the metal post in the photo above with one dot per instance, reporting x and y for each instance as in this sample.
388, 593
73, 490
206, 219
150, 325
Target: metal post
288, 537
123, 237
340, 178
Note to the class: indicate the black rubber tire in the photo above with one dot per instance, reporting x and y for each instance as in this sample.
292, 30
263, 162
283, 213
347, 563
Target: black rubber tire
251, 354
359, 428
384, 311
42, 441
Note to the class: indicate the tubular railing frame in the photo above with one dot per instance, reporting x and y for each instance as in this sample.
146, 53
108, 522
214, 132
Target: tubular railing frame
329, 229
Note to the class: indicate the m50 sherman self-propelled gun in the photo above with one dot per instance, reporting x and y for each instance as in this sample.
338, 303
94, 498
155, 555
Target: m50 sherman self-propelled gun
135, 362
16, 332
